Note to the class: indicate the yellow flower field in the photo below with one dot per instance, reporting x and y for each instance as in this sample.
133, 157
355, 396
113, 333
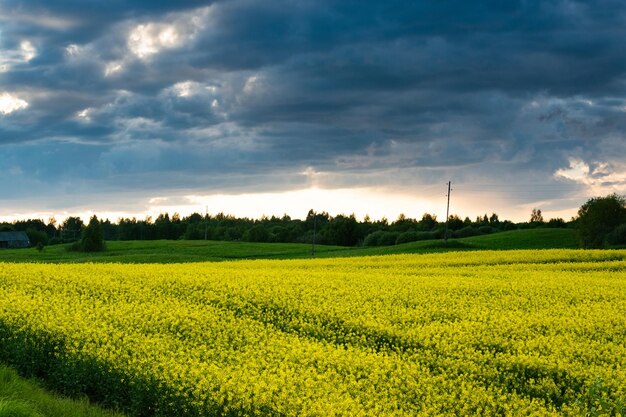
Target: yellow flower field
473, 333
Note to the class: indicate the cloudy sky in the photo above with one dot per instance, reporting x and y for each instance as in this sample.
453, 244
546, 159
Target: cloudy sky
256, 107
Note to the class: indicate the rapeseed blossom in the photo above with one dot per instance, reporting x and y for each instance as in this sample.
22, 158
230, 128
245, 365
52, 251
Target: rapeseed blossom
473, 333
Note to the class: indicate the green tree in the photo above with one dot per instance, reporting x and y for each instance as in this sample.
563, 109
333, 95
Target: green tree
71, 228
598, 217
343, 231
92, 239
536, 216
257, 233
36, 236
428, 222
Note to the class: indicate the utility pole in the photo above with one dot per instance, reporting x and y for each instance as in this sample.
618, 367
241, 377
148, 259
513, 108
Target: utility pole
445, 233
206, 223
314, 230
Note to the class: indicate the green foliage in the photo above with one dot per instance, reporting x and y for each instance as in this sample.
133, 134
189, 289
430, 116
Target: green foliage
71, 229
466, 231
338, 230
36, 237
257, 233
428, 222
455, 222
598, 217
597, 401
407, 237
536, 216
557, 222
381, 238
485, 230
617, 236
92, 239
343, 231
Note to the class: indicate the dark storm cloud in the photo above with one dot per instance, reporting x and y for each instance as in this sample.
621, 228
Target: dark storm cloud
81, 21
358, 89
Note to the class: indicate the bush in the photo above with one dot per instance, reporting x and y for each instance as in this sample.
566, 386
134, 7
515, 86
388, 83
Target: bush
556, 223
381, 238
465, 232
407, 237
598, 217
36, 237
617, 236
485, 230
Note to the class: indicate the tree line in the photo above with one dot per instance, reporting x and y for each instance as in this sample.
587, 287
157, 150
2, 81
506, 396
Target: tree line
342, 230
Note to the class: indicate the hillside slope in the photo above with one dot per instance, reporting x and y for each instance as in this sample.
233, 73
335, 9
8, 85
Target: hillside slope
168, 251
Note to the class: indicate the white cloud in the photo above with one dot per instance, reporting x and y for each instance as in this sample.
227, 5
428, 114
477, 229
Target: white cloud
12, 57
184, 89
84, 115
112, 68
73, 50
190, 89
158, 200
599, 177
150, 38
28, 51
10, 103
254, 83
577, 171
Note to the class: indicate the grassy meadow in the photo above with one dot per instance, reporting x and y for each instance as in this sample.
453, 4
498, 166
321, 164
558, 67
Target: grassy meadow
21, 397
177, 251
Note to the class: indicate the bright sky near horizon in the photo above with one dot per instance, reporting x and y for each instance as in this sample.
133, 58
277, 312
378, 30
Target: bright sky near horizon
131, 108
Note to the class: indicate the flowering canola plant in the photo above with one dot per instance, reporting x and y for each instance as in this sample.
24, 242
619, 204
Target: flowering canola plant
474, 333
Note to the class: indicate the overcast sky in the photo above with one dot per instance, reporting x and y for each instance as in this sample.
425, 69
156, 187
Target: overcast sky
264, 107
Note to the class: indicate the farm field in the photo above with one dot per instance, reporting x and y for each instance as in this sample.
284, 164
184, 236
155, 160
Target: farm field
175, 251
468, 333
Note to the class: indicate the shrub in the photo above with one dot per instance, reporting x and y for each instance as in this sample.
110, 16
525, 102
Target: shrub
465, 232
617, 236
407, 237
485, 230
381, 238
598, 217
36, 237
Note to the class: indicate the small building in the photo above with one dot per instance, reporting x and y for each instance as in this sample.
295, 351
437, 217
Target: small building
14, 240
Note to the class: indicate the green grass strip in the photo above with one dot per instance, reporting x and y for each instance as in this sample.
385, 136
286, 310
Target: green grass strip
21, 397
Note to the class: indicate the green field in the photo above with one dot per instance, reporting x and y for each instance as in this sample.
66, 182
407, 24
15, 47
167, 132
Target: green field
490, 333
167, 251
26, 398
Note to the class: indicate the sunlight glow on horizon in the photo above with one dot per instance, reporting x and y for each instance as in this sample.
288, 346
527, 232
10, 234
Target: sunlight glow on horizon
361, 202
